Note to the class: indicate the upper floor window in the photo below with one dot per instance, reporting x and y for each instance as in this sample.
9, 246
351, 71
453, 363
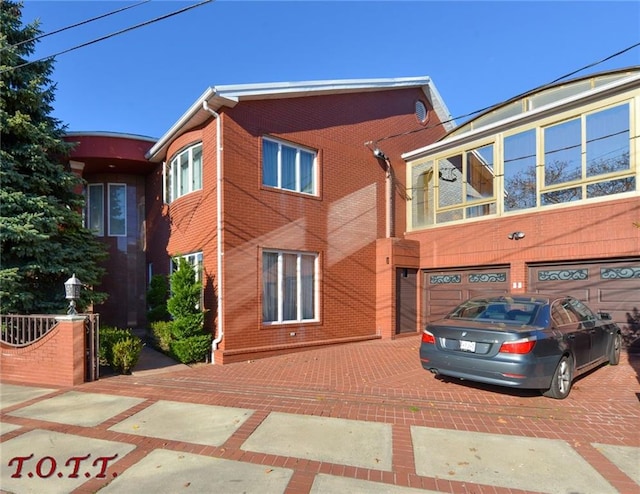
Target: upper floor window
577, 157
116, 216
184, 173
289, 167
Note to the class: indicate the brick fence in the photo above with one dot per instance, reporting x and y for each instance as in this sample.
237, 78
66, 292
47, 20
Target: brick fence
56, 359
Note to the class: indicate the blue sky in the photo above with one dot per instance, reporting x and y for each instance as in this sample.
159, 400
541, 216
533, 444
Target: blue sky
478, 53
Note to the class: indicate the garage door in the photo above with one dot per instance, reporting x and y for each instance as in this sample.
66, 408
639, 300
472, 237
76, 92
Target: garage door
607, 286
444, 289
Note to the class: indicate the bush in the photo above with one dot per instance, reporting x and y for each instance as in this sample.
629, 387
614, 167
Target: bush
126, 354
118, 348
187, 326
191, 349
108, 337
162, 331
157, 297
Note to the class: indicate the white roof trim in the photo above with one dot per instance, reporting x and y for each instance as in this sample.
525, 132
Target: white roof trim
229, 95
512, 121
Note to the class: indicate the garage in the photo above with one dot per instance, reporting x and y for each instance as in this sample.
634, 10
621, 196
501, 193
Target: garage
611, 286
444, 289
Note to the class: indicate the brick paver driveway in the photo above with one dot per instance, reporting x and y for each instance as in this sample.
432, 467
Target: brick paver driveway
383, 381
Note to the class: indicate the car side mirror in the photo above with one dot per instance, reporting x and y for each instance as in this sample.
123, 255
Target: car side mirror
604, 316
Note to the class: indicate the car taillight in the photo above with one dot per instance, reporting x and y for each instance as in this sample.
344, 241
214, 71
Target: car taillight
428, 337
520, 347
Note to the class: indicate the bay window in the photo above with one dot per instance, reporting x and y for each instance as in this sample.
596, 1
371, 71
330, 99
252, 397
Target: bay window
184, 173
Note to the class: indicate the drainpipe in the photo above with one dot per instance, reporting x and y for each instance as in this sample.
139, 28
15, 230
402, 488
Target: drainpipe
220, 332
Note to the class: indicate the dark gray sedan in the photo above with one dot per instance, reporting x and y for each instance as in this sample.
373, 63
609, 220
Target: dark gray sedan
521, 340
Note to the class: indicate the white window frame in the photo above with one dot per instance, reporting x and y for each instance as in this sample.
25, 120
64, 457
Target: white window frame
124, 207
195, 259
172, 178
298, 185
299, 287
498, 141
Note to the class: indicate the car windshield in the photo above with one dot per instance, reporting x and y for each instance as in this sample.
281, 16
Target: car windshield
508, 310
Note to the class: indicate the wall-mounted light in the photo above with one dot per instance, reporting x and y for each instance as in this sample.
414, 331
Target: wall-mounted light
515, 236
377, 152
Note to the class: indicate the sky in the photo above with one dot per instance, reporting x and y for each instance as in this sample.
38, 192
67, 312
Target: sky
477, 53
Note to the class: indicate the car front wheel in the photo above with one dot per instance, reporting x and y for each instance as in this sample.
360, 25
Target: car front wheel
561, 381
616, 345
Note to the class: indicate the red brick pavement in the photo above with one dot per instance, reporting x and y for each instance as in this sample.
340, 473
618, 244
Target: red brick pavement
380, 381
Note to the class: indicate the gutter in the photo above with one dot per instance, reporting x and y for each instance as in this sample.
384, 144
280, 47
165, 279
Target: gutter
220, 332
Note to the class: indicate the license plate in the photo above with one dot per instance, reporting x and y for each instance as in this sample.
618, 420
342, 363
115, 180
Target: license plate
467, 346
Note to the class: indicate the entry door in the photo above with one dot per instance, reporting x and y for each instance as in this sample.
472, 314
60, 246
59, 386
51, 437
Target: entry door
406, 300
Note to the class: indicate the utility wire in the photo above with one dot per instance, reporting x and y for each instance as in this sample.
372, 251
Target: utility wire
102, 38
82, 23
453, 119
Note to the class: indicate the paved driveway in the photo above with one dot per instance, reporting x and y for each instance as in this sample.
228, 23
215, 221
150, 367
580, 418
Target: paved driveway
362, 417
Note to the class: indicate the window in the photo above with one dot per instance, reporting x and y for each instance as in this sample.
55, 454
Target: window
421, 112
117, 210
288, 167
465, 187
95, 209
572, 157
194, 259
583, 153
520, 171
289, 287
184, 173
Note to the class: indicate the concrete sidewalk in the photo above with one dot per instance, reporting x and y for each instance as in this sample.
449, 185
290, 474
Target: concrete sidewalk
235, 429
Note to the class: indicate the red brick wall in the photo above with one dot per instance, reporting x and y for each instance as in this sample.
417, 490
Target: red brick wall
599, 230
58, 359
342, 224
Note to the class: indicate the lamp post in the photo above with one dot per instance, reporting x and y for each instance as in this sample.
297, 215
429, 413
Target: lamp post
72, 291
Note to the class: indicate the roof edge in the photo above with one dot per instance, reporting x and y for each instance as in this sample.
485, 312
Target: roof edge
230, 95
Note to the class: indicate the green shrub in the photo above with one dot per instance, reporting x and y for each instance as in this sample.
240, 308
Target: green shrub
187, 326
118, 348
192, 349
157, 297
126, 354
162, 332
108, 337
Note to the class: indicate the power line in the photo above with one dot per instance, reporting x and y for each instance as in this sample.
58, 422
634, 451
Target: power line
102, 38
82, 23
453, 119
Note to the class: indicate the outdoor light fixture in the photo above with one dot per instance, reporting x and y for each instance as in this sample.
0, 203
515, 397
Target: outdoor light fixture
72, 292
515, 236
377, 152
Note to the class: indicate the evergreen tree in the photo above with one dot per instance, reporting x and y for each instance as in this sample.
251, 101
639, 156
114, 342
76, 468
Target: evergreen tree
43, 241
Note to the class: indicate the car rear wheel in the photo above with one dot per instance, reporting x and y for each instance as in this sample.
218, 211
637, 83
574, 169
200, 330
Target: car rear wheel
616, 345
561, 381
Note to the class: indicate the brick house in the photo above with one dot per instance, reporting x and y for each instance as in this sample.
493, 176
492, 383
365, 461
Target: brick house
539, 194
275, 193
328, 212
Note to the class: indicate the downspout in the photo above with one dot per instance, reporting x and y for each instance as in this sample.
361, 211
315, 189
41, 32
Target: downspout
220, 333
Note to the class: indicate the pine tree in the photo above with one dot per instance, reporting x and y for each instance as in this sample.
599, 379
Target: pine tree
43, 241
